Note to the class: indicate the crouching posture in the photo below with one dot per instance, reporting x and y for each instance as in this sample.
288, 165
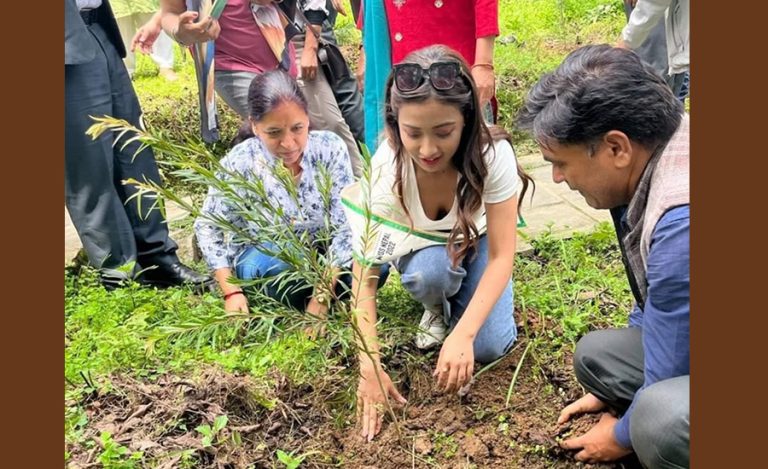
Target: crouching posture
442, 198
614, 131
277, 139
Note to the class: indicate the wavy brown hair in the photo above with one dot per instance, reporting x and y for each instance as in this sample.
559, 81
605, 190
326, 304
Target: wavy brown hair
468, 159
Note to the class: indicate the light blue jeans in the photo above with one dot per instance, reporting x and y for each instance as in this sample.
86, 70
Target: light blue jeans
253, 264
427, 274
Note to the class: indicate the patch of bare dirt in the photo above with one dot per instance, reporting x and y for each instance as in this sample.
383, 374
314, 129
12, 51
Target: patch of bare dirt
435, 430
160, 419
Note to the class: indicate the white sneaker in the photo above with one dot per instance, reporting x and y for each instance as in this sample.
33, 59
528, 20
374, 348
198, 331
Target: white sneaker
432, 328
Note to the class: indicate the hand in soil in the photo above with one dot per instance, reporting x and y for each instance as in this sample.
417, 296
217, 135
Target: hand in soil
371, 403
236, 303
598, 444
589, 403
456, 363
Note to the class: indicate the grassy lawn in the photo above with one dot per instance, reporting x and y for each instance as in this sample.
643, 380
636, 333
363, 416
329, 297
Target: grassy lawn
166, 378
135, 342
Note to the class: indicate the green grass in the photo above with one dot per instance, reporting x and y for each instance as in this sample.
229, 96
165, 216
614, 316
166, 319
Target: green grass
577, 283
564, 289
535, 36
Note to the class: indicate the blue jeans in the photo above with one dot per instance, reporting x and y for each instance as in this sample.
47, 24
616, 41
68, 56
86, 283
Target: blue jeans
427, 274
684, 86
254, 264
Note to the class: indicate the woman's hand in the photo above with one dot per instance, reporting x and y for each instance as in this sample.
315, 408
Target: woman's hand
485, 80
370, 400
309, 62
320, 311
188, 32
456, 363
236, 303
146, 36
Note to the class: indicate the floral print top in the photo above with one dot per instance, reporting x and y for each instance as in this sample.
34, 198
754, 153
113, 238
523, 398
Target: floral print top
325, 161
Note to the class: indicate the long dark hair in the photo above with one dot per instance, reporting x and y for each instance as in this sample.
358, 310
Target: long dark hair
468, 159
267, 91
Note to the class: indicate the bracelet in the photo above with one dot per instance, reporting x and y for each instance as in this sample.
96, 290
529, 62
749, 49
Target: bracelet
176, 38
486, 65
233, 293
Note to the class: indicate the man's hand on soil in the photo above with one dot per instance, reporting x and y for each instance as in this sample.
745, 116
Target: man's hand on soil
598, 444
589, 403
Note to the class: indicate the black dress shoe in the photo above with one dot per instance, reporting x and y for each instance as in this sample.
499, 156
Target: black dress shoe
174, 275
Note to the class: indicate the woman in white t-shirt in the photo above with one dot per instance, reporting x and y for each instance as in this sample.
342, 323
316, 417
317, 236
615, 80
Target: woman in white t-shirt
444, 195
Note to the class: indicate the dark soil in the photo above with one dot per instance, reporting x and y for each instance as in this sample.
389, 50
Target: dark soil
435, 430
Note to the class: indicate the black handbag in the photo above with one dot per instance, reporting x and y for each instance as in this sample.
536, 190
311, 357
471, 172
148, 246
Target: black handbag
332, 61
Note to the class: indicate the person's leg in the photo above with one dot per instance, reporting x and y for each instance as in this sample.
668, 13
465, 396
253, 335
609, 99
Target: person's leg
609, 364
344, 283
255, 264
685, 87
162, 51
428, 276
128, 25
91, 197
233, 89
348, 96
654, 49
150, 231
679, 84
660, 425
324, 111
499, 331
162, 54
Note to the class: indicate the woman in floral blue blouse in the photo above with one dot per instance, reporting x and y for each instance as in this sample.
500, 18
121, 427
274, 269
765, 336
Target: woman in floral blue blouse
277, 138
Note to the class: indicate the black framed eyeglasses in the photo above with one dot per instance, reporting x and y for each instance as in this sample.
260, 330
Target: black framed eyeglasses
442, 75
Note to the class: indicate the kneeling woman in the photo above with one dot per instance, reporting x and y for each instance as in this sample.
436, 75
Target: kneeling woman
444, 190
277, 133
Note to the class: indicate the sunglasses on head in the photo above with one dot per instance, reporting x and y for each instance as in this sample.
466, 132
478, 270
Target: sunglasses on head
442, 75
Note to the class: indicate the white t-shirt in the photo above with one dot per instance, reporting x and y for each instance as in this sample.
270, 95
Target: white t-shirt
502, 183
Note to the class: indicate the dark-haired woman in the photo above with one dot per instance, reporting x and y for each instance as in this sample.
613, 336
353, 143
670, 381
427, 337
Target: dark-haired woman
277, 133
448, 188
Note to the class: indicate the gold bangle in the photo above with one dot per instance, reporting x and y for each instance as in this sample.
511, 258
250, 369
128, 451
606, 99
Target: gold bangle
176, 38
481, 64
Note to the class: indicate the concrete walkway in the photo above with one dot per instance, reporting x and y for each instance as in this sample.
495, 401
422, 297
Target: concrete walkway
554, 207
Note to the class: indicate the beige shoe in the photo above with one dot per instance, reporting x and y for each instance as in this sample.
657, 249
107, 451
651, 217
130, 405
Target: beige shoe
168, 74
432, 328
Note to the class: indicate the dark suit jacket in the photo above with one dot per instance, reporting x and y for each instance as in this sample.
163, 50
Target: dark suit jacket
79, 46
